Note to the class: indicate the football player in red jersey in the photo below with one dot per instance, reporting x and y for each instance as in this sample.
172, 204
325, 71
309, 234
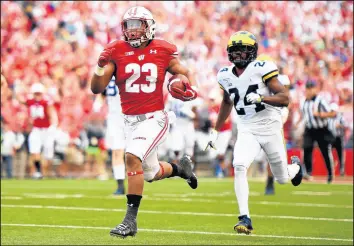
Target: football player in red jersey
44, 121
139, 64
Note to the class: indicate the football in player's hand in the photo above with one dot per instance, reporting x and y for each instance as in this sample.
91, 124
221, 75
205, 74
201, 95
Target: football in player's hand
176, 85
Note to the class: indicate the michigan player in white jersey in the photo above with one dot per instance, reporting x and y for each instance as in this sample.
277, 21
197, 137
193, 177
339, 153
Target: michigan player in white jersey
114, 137
183, 136
285, 81
252, 87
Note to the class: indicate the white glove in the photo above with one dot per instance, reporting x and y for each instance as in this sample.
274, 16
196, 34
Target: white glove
254, 98
213, 136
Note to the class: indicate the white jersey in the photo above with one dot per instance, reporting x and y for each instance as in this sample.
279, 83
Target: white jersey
182, 109
252, 117
113, 98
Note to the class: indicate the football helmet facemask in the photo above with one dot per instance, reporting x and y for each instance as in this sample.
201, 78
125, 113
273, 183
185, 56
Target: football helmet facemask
138, 26
242, 48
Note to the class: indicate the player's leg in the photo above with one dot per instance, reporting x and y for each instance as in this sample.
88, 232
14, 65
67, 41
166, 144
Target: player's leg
142, 139
270, 182
48, 148
177, 142
275, 149
308, 143
115, 141
35, 145
326, 150
221, 145
246, 149
155, 170
118, 167
189, 140
341, 154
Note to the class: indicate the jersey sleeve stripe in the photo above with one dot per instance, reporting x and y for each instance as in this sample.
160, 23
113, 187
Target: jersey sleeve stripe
270, 75
221, 87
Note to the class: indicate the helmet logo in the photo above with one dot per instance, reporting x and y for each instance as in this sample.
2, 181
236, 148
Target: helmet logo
132, 11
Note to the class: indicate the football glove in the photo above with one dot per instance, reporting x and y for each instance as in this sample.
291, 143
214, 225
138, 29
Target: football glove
188, 95
254, 98
213, 136
105, 57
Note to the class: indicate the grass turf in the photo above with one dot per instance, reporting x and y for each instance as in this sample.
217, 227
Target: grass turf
83, 211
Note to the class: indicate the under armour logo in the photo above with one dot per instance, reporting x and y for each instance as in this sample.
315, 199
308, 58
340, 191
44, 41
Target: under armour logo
141, 57
130, 205
153, 51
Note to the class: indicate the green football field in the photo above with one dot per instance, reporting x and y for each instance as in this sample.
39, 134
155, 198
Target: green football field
83, 212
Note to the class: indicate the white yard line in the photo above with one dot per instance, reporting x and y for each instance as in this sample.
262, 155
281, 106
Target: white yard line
182, 198
184, 232
319, 193
11, 198
173, 213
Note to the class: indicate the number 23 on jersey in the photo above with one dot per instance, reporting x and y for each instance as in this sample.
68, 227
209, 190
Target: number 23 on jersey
132, 87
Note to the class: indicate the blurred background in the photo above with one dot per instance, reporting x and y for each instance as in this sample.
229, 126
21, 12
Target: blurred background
58, 43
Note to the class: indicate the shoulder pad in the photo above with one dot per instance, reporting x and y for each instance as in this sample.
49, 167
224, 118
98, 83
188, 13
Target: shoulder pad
223, 78
169, 47
267, 69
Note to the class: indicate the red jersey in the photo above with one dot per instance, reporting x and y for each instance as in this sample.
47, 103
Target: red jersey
38, 111
214, 111
140, 74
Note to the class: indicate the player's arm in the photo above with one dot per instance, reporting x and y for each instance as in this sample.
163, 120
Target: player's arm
225, 110
99, 80
175, 67
326, 111
324, 115
281, 95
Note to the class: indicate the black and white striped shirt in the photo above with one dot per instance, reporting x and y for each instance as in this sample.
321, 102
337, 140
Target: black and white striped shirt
333, 122
316, 104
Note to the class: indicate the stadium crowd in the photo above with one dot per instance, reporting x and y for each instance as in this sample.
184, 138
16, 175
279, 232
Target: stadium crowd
57, 44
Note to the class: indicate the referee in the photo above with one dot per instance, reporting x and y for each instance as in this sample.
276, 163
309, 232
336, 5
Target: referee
316, 112
337, 128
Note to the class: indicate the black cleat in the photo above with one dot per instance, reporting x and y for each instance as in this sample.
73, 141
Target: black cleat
125, 229
298, 177
269, 190
329, 179
186, 171
244, 225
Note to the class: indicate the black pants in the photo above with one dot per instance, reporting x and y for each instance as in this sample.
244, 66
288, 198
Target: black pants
338, 145
324, 139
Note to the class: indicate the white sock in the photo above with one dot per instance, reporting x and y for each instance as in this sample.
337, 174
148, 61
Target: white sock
293, 169
241, 189
119, 171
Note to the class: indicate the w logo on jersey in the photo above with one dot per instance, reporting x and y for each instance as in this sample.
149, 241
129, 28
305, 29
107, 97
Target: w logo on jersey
141, 57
